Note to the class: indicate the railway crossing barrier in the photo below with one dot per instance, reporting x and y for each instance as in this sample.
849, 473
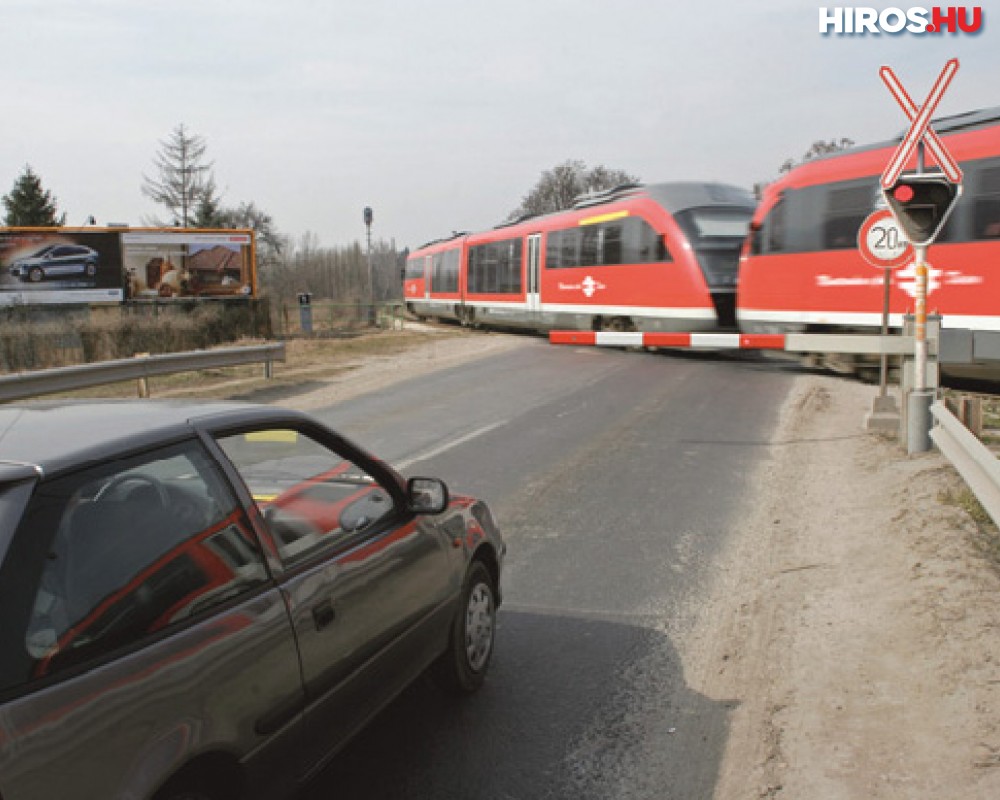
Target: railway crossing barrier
912, 427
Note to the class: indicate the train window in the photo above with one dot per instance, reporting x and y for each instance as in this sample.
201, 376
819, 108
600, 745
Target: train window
414, 268
611, 243
846, 210
495, 267
590, 246
714, 227
628, 241
775, 224
643, 244
986, 211
562, 249
444, 273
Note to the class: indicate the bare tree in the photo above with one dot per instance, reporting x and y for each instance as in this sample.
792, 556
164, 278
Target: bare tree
558, 187
184, 180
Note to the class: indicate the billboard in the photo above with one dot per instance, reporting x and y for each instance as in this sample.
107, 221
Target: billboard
101, 265
56, 266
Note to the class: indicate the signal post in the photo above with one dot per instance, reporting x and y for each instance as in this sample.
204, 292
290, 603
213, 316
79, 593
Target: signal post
921, 202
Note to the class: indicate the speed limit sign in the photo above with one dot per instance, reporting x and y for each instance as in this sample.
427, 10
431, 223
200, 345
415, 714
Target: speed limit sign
882, 241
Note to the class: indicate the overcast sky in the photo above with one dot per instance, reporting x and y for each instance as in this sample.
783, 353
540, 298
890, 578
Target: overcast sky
440, 115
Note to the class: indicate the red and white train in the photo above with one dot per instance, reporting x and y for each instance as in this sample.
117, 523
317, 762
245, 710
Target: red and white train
651, 258
801, 269
666, 257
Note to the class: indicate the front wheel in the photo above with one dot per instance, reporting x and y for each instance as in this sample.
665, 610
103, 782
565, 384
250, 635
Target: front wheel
462, 668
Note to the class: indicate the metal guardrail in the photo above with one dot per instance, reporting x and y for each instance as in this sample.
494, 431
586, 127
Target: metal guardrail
66, 379
975, 463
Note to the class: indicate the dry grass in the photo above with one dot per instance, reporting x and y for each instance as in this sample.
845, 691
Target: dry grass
307, 362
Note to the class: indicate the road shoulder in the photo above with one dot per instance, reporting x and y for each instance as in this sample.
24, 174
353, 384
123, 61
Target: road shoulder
854, 623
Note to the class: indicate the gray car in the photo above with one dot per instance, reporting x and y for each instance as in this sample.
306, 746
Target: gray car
56, 261
207, 601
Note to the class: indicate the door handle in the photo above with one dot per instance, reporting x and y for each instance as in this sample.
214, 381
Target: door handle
323, 614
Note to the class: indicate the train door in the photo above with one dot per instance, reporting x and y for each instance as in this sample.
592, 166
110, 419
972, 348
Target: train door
534, 278
427, 277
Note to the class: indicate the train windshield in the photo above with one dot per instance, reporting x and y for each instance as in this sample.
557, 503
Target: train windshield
708, 225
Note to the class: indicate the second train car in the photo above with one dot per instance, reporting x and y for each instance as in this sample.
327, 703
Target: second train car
802, 271
661, 257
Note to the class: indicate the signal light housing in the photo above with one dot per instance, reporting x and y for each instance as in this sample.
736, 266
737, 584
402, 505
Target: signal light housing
922, 202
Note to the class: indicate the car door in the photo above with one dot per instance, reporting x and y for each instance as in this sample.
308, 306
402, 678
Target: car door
369, 586
140, 630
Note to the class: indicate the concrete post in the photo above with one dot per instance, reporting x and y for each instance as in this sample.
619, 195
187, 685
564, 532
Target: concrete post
916, 422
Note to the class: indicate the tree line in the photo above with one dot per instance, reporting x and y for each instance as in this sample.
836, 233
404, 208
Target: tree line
183, 185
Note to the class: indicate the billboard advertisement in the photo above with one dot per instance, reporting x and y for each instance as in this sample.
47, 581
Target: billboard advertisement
60, 266
181, 263
101, 265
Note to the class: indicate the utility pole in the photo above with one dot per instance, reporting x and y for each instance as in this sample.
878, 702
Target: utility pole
369, 216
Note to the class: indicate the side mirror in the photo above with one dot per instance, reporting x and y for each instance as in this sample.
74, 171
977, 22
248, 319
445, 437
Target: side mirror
426, 495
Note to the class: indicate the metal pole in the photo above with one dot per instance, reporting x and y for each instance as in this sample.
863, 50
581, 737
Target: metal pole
883, 365
920, 253
368, 217
371, 283
920, 319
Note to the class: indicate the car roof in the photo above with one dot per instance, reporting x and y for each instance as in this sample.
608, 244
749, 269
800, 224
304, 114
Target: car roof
57, 435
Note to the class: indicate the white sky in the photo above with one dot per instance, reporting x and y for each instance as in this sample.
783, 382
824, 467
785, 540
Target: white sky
441, 115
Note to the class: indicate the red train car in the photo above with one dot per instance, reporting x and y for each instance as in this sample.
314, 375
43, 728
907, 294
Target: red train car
651, 258
801, 269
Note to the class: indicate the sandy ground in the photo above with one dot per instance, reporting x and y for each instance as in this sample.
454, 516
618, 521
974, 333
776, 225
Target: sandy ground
853, 623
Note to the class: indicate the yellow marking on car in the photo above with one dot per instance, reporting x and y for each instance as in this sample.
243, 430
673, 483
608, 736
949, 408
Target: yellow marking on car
603, 218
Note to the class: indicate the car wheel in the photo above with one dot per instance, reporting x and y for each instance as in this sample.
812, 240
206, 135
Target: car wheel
463, 666
35, 274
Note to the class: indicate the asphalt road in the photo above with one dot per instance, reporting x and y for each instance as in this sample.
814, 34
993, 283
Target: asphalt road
616, 478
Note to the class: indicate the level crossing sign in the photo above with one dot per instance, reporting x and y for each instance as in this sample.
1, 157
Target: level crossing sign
921, 201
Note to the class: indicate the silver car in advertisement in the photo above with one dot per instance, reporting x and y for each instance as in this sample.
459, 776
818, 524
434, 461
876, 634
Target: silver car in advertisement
56, 261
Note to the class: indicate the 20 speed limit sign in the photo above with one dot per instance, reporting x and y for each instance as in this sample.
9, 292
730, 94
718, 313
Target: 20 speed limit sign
882, 242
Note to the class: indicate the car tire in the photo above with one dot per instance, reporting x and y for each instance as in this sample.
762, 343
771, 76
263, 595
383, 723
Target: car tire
462, 668
35, 274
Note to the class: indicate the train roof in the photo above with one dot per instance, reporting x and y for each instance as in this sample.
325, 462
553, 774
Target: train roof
673, 196
943, 126
970, 135
678, 196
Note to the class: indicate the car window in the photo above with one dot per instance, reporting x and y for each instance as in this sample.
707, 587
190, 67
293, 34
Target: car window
133, 548
312, 499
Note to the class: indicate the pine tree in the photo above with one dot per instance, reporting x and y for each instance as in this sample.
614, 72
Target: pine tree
28, 204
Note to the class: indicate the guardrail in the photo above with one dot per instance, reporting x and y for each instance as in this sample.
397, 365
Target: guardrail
975, 463
140, 368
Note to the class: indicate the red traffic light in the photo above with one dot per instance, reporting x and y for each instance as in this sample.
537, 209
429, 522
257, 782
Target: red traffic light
921, 203
904, 194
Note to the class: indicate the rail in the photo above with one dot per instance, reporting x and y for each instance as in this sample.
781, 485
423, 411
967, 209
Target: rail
975, 463
140, 368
